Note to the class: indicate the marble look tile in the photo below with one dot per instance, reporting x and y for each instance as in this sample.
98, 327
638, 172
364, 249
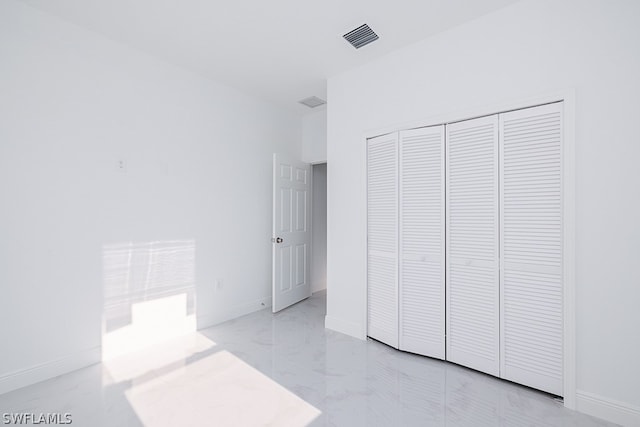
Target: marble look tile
285, 369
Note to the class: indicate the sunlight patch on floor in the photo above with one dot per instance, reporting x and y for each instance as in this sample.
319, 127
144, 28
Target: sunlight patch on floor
152, 322
219, 388
165, 356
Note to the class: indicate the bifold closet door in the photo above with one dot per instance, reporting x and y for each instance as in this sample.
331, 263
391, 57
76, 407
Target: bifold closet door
422, 242
472, 245
531, 241
382, 239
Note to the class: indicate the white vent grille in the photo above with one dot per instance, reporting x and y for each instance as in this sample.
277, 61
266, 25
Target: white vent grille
312, 102
361, 36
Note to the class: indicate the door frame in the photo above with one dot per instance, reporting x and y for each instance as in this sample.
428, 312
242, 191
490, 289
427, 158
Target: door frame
567, 96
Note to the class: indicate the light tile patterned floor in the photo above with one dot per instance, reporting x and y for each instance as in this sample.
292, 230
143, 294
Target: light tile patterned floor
286, 370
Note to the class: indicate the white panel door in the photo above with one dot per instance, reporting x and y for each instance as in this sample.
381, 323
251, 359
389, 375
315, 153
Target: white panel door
531, 242
382, 239
291, 248
422, 242
472, 244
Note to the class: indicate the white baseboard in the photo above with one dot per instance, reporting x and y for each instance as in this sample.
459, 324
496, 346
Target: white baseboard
608, 409
318, 286
232, 312
348, 328
47, 370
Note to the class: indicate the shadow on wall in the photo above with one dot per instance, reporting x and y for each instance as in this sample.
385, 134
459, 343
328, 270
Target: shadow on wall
149, 294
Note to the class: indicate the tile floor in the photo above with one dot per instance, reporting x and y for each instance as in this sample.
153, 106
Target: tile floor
285, 370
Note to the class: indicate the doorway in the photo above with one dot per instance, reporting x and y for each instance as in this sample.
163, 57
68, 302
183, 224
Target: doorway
319, 228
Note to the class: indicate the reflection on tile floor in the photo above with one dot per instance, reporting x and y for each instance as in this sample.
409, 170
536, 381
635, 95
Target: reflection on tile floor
285, 370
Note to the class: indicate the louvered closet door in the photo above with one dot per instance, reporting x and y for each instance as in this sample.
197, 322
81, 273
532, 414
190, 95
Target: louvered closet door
472, 244
531, 241
422, 248
382, 241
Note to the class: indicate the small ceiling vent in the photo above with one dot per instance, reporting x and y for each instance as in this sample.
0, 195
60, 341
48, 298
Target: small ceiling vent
313, 102
361, 36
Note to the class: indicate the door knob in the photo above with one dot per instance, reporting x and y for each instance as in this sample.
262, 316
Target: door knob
278, 239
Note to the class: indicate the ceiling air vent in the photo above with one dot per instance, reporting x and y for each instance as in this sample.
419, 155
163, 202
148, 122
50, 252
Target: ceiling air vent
313, 102
361, 36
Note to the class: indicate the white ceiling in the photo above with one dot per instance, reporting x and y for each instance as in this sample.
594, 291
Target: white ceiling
278, 50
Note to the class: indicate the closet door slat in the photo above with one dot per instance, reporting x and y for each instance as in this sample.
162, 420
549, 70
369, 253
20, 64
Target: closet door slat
531, 275
422, 242
472, 282
382, 239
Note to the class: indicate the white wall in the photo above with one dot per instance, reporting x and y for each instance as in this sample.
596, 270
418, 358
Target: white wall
198, 180
319, 229
314, 136
531, 48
